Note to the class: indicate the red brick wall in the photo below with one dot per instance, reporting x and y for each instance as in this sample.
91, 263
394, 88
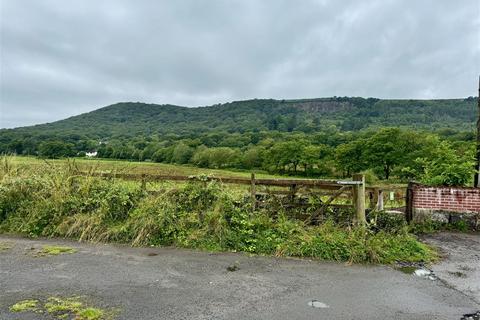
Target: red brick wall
446, 198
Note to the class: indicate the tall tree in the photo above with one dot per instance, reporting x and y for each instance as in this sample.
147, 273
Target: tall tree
385, 149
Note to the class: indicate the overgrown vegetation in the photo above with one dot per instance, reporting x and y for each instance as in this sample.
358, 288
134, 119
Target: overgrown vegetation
53, 251
25, 305
433, 226
63, 308
5, 246
198, 214
429, 141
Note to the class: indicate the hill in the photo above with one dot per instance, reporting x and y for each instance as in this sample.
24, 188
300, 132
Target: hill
129, 119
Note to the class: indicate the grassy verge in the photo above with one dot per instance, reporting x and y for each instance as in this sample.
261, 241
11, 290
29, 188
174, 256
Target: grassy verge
57, 202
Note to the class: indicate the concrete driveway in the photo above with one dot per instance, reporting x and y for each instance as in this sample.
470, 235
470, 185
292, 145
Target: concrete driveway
169, 283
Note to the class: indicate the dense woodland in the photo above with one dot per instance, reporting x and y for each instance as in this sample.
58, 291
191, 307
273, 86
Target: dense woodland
395, 140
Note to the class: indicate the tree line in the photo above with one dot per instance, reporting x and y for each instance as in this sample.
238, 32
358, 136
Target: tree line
392, 154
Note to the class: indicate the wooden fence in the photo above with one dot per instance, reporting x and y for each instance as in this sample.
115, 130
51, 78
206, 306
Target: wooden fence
354, 190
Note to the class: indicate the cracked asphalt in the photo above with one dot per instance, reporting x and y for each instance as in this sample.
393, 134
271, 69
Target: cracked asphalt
460, 263
171, 283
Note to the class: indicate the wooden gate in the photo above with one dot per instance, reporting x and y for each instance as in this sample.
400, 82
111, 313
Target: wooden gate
353, 189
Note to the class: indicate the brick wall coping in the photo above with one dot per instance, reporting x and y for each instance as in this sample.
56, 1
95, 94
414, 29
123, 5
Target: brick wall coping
420, 185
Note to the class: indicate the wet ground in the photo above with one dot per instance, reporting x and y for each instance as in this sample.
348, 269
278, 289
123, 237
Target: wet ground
460, 263
168, 283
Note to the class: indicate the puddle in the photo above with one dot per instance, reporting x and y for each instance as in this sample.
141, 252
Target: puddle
408, 267
407, 270
317, 304
417, 269
422, 272
425, 273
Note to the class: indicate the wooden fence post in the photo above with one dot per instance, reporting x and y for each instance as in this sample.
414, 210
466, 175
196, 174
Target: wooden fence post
409, 203
253, 192
373, 197
380, 200
359, 199
293, 191
143, 184
371, 194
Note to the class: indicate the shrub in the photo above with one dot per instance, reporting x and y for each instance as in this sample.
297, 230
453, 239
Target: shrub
385, 221
449, 168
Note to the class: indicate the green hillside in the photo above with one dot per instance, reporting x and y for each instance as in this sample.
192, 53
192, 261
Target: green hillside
313, 137
308, 115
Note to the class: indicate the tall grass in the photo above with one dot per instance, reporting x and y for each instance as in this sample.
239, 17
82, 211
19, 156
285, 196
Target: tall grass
55, 201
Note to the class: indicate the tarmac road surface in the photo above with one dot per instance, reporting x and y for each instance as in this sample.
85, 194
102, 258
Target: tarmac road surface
460, 263
170, 283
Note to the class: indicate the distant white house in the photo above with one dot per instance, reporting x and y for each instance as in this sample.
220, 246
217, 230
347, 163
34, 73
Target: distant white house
91, 154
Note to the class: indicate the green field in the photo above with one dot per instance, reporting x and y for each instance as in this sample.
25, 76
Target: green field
107, 165
135, 167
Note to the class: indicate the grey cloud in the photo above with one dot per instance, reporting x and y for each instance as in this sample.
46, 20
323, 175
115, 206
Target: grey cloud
62, 58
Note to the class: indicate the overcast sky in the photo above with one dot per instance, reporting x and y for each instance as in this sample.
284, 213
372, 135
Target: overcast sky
61, 58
